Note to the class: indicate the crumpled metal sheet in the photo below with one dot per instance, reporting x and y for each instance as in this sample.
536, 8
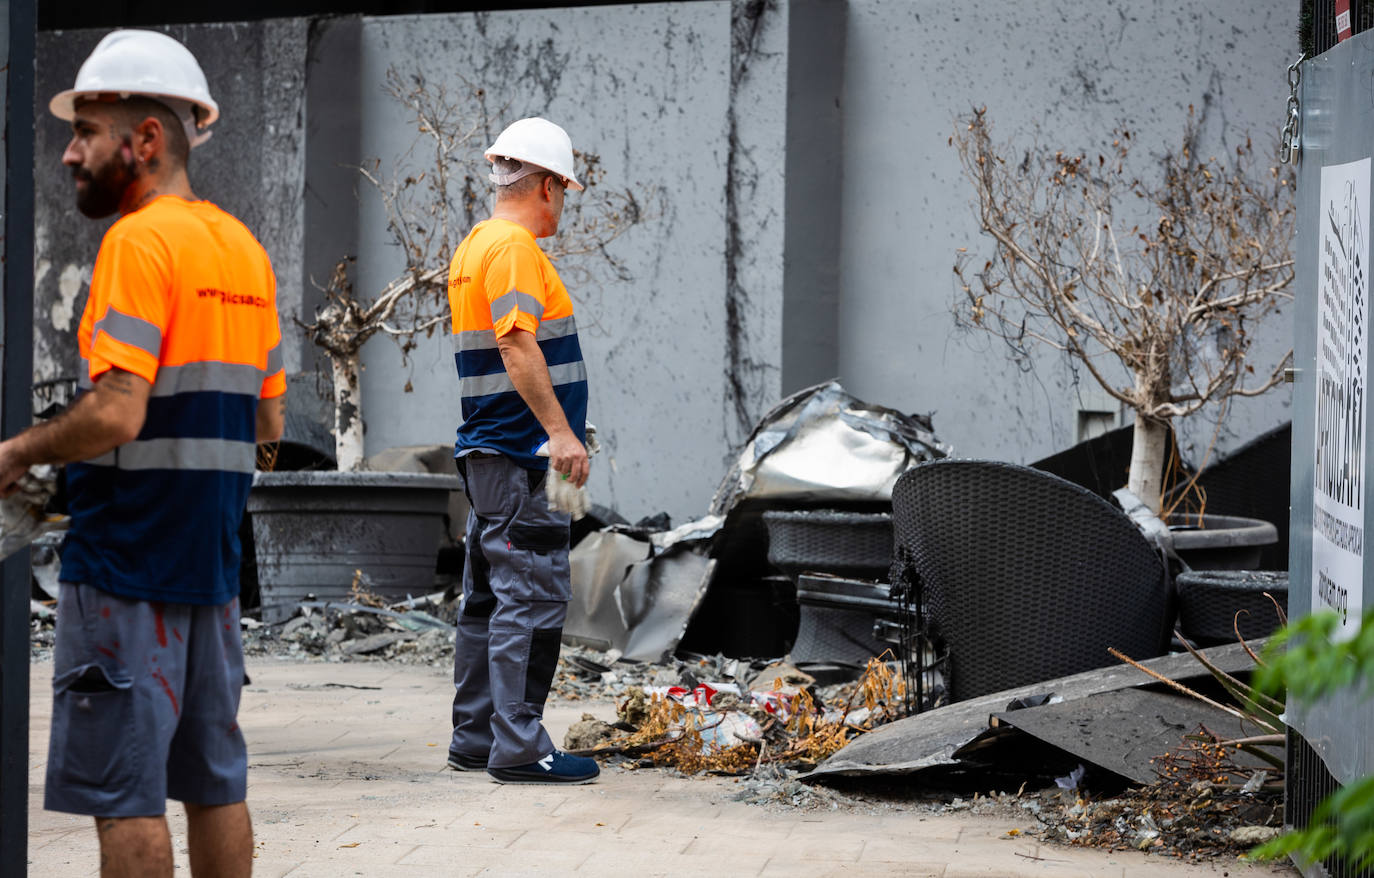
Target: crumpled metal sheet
818, 445
636, 597
1125, 730
824, 445
937, 737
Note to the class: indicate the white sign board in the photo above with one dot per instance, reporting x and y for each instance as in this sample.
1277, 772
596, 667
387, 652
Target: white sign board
1342, 391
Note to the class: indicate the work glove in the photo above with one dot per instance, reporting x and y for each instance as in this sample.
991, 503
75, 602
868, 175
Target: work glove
22, 519
563, 495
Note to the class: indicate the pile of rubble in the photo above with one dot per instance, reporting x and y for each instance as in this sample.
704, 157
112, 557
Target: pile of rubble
741, 722
417, 632
42, 627
1203, 805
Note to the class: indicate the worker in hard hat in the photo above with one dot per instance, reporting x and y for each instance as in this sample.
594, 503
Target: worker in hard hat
523, 384
181, 374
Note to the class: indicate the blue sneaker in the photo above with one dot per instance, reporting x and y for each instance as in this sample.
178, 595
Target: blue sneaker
557, 767
463, 762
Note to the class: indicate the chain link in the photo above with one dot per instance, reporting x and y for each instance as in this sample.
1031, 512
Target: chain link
1290, 145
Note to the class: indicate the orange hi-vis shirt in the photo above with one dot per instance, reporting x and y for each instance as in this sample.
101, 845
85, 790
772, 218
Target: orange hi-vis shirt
500, 281
183, 296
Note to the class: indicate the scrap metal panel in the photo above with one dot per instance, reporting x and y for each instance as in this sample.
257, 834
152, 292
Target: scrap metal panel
1331, 443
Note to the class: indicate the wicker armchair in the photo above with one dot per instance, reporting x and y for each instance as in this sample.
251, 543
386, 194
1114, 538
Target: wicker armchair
1026, 576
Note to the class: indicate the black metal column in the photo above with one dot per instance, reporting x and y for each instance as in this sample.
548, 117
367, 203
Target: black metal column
16, 407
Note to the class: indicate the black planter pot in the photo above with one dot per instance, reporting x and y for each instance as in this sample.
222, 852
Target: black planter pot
1214, 604
1222, 542
313, 530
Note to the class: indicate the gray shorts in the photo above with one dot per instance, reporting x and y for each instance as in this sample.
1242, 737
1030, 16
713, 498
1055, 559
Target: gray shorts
145, 705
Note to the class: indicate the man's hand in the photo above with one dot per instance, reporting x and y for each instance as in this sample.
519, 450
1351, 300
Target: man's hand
568, 459
11, 468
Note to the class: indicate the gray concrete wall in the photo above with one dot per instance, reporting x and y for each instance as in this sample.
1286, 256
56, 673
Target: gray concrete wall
252, 167
1076, 70
683, 345
810, 206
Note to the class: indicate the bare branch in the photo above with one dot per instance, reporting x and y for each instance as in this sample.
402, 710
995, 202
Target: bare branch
1162, 277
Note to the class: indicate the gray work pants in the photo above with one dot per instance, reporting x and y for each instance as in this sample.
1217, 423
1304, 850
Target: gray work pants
515, 598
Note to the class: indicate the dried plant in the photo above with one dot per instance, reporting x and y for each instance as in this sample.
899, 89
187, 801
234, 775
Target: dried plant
1166, 278
429, 203
668, 733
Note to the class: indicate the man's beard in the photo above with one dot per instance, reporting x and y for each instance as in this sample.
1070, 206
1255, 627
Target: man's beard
104, 187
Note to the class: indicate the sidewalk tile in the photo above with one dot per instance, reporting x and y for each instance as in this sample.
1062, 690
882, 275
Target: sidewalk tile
791, 869
648, 862
476, 861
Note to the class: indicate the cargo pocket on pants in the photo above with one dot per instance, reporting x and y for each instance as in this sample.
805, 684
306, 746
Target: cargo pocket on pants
541, 554
95, 710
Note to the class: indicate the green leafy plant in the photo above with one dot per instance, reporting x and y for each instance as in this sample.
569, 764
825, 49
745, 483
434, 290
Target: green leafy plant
1304, 661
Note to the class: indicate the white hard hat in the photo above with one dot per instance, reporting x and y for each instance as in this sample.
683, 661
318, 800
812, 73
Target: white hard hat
149, 64
537, 142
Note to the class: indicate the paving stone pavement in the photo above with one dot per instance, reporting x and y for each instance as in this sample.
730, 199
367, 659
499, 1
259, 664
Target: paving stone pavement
347, 778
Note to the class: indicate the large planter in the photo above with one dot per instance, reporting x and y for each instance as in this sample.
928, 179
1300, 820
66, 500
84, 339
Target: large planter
1222, 542
314, 530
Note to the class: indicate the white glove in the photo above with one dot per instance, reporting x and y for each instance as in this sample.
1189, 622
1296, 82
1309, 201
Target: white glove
21, 514
562, 494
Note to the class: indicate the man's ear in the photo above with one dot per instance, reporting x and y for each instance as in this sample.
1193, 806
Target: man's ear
546, 186
149, 138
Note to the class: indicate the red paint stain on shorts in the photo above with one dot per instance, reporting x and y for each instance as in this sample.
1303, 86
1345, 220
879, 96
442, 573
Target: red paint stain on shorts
103, 651
167, 687
177, 635
233, 728
105, 612
161, 630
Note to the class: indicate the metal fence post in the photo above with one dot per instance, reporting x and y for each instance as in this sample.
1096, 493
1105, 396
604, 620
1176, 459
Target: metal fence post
16, 406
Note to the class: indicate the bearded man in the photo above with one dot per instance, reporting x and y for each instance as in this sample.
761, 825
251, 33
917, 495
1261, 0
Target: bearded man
181, 375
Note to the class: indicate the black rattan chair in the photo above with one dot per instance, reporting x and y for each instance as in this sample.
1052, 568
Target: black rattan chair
1026, 576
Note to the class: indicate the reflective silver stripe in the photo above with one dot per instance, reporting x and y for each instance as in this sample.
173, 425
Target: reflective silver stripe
209, 375
485, 339
503, 305
560, 328
568, 373
485, 385
475, 340
106, 459
83, 380
130, 330
499, 382
187, 454
274, 362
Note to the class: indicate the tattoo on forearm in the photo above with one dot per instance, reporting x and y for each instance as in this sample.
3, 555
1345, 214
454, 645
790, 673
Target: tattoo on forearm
117, 382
